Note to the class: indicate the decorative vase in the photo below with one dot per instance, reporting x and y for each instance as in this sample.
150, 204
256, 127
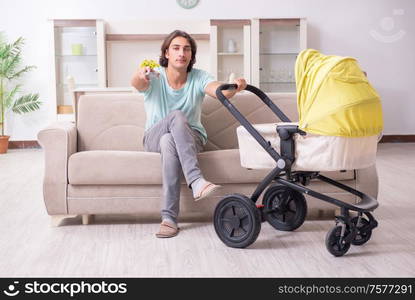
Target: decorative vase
4, 143
77, 49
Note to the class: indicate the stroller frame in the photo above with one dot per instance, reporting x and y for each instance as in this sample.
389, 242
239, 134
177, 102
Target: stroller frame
237, 219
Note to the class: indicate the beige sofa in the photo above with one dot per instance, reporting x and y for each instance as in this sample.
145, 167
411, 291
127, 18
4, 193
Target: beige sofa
97, 165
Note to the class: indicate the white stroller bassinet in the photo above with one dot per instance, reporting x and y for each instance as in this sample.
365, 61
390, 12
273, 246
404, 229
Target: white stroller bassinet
312, 152
339, 111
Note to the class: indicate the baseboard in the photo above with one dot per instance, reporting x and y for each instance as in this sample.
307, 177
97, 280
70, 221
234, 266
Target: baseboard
385, 139
23, 144
410, 138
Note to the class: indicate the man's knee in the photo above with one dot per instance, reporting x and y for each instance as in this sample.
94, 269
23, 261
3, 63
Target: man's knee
167, 142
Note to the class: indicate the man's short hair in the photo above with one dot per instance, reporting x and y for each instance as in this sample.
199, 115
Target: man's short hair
164, 62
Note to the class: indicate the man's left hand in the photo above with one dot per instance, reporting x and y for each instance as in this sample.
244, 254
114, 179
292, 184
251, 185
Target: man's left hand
241, 83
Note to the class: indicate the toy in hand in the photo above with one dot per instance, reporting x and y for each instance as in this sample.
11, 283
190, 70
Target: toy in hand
149, 63
152, 64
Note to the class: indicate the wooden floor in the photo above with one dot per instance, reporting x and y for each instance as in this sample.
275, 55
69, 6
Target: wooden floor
124, 246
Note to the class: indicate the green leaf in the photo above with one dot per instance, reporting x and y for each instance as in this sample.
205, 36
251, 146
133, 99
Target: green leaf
10, 58
16, 47
26, 103
18, 43
21, 72
10, 65
9, 97
5, 50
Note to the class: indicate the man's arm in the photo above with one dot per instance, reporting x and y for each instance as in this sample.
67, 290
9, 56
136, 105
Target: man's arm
212, 86
140, 80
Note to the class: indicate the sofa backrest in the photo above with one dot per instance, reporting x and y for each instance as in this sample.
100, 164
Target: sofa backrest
117, 121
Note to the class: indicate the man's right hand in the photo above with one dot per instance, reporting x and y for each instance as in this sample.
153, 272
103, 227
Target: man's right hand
146, 71
140, 79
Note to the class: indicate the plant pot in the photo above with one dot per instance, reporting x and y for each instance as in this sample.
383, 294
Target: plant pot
4, 143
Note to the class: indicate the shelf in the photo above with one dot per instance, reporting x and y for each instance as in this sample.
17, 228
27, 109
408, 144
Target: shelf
74, 23
64, 109
149, 37
277, 82
279, 53
71, 55
101, 89
92, 85
229, 53
230, 22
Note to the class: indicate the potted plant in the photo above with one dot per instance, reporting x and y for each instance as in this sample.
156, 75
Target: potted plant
10, 92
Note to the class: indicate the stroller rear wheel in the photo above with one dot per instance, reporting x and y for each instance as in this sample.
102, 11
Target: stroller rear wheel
285, 209
362, 235
335, 243
237, 221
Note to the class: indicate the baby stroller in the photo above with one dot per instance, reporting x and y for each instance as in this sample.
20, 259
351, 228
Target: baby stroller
340, 120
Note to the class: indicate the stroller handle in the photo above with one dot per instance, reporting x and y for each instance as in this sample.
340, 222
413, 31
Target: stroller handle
255, 91
245, 123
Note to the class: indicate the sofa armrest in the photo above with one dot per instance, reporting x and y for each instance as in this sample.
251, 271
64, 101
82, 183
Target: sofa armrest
59, 141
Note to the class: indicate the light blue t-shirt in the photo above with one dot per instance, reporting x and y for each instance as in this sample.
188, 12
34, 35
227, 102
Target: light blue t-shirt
160, 99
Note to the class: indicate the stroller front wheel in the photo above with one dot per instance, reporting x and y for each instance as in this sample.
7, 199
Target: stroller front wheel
362, 234
237, 221
335, 243
284, 208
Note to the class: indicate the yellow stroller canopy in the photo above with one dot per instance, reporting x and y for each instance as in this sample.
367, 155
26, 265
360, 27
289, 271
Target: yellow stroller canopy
334, 96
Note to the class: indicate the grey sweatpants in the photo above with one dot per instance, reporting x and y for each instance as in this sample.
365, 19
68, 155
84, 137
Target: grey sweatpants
178, 145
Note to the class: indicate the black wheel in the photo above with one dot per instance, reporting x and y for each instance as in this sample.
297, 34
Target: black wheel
333, 243
237, 221
284, 208
361, 235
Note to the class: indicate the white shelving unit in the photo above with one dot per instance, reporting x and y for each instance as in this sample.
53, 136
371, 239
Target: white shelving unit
78, 60
128, 43
98, 54
234, 58
275, 47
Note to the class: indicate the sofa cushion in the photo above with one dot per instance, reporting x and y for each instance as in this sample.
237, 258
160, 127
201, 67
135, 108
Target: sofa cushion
136, 167
111, 122
114, 167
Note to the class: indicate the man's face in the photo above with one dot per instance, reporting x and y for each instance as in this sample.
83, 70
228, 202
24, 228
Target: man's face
179, 53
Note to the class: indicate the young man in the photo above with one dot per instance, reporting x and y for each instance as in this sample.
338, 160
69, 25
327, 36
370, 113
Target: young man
173, 106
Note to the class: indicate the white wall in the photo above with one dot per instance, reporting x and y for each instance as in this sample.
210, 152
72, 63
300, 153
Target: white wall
354, 28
